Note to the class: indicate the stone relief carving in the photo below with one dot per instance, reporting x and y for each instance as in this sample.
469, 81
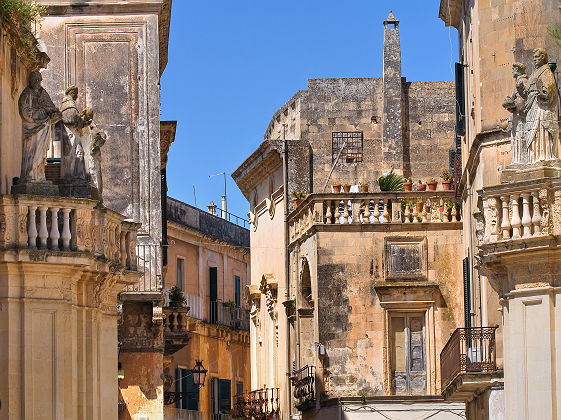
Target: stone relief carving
491, 216
38, 114
546, 222
533, 102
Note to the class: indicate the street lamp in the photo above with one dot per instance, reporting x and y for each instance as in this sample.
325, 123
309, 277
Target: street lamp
199, 374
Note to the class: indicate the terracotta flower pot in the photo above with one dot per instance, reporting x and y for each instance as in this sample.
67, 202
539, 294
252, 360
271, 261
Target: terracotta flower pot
432, 185
447, 185
336, 188
297, 202
346, 188
363, 188
407, 186
421, 187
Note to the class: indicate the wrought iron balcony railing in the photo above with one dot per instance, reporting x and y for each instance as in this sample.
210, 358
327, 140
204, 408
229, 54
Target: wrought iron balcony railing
469, 350
222, 313
303, 384
257, 405
407, 207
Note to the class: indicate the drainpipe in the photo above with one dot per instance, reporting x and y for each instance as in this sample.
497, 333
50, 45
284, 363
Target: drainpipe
286, 265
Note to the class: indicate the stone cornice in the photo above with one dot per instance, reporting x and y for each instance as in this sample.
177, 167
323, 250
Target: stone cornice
451, 12
262, 162
167, 136
73, 7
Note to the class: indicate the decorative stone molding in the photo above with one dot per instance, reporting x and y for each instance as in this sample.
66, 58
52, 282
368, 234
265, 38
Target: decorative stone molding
268, 288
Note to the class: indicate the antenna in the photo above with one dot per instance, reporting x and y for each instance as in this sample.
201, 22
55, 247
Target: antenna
195, 194
224, 205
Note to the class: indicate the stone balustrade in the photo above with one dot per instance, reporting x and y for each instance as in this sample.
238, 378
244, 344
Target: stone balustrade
61, 224
515, 211
175, 319
371, 209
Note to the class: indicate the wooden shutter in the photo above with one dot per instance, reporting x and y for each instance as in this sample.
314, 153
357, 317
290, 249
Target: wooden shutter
460, 104
237, 290
467, 292
225, 395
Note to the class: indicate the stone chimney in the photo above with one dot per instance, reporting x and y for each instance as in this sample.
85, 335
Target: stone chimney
392, 146
224, 209
212, 208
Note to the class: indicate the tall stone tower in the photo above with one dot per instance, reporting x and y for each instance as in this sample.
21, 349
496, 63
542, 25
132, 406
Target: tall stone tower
392, 146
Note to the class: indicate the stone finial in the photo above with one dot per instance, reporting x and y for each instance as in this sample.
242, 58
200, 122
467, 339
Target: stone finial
391, 19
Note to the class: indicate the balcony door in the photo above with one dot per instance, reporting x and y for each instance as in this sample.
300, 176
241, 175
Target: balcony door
213, 294
408, 354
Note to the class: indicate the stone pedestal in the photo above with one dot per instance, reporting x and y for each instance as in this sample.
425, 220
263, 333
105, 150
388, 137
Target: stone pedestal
46, 188
520, 173
77, 189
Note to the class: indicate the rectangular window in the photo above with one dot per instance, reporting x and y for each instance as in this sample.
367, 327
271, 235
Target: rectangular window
408, 358
237, 291
225, 395
213, 294
346, 145
239, 387
180, 270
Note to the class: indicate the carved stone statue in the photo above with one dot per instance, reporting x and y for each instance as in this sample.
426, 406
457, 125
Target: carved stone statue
541, 116
75, 123
515, 103
38, 114
97, 140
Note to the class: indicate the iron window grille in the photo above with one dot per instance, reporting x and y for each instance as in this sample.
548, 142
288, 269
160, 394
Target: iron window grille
352, 152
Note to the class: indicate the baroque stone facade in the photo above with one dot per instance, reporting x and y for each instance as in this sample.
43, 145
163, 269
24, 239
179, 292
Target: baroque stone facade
328, 306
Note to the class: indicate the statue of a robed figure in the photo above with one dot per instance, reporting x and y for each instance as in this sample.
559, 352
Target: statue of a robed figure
81, 147
534, 125
38, 114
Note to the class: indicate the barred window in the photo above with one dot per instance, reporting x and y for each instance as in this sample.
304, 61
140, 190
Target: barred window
352, 152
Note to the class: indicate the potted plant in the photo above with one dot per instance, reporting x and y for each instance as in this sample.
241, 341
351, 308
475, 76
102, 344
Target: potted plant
390, 181
363, 186
298, 197
336, 187
230, 305
176, 297
419, 205
447, 180
346, 188
432, 183
449, 205
408, 183
421, 186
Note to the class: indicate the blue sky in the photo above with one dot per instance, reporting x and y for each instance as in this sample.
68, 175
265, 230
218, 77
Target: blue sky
233, 63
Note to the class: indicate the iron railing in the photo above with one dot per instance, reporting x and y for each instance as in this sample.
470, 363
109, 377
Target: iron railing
222, 313
303, 384
256, 405
232, 218
149, 257
468, 350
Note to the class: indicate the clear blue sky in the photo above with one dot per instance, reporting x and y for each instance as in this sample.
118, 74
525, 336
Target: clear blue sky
233, 63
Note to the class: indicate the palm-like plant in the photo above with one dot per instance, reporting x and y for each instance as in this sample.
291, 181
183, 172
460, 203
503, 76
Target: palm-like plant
390, 181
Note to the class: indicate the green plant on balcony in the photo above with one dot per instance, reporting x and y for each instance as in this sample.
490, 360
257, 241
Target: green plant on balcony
390, 181
176, 297
21, 15
230, 305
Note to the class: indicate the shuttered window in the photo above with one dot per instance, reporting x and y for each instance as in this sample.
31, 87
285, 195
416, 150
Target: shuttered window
467, 292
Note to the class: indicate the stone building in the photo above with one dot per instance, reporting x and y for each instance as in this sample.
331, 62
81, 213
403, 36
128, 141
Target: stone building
353, 294
66, 248
510, 210
208, 259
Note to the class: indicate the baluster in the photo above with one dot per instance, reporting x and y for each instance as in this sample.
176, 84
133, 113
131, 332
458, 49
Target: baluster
505, 222
355, 203
415, 213
346, 212
43, 232
515, 222
337, 212
396, 211
424, 212
406, 213
66, 235
386, 214
32, 228
366, 215
376, 213
328, 214
537, 217
123, 241
175, 323
454, 211
526, 218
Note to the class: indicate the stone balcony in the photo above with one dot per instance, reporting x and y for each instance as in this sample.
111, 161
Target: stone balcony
52, 228
176, 333
520, 219
404, 210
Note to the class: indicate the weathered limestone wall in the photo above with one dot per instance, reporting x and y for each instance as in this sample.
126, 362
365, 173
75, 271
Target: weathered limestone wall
14, 72
351, 322
112, 55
